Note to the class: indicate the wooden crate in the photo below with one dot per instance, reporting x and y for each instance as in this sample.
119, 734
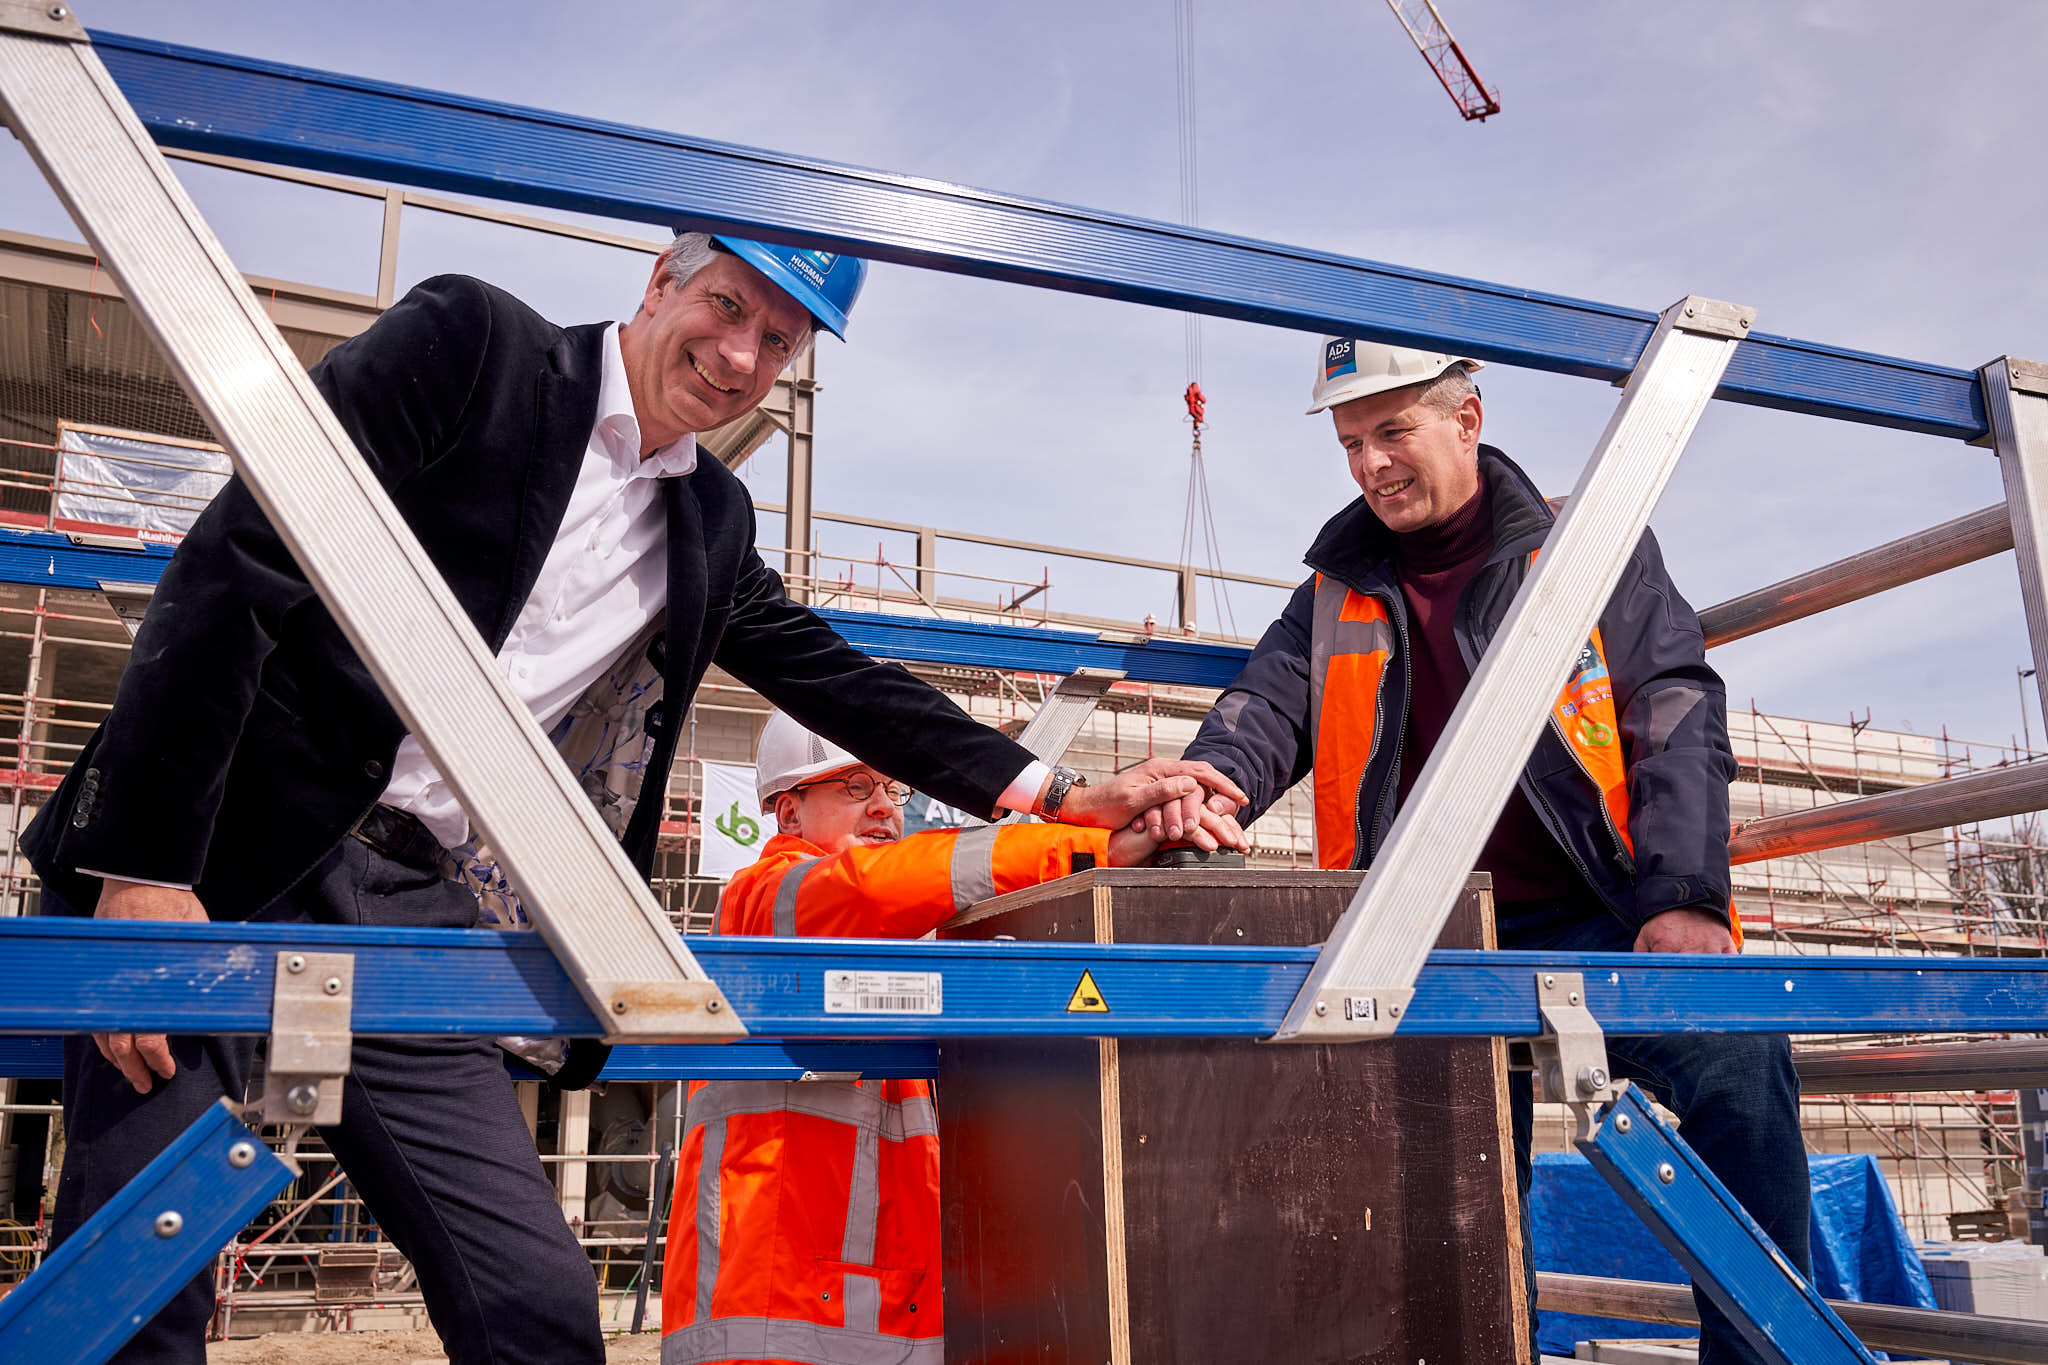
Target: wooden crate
1191, 1201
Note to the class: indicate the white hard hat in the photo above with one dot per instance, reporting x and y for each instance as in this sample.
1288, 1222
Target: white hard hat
790, 754
1347, 368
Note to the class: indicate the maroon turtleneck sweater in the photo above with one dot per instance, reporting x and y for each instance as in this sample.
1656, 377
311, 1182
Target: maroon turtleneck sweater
1434, 564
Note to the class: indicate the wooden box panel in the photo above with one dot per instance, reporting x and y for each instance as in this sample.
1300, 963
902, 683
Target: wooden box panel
1210, 1200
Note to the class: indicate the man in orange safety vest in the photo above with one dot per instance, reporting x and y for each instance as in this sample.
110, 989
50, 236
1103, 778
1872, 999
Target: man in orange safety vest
806, 1219
1616, 835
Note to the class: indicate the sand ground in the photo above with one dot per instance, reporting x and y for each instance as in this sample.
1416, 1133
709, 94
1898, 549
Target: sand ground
387, 1348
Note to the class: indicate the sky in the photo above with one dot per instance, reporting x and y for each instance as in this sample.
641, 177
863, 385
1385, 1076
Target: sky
1857, 171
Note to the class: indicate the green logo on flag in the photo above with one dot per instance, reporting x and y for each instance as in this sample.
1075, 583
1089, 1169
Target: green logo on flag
736, 827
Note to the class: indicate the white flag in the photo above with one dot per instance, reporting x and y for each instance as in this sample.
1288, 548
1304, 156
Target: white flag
732, 828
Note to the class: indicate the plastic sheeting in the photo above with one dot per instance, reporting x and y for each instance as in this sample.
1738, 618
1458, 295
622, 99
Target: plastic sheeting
1581, 1227
134, 481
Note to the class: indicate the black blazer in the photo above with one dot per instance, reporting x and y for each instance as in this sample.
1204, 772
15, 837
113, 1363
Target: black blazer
247, 737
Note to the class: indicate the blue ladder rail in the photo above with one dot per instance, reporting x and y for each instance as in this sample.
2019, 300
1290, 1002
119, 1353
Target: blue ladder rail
1692, 1213
111, 1275
71, 975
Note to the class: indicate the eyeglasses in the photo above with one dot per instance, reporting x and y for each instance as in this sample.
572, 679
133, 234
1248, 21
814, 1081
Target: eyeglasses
859, 787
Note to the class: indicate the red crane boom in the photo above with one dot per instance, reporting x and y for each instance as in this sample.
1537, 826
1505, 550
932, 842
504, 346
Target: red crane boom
1474, 98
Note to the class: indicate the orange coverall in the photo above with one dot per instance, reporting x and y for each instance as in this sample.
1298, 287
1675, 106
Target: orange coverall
805, 1226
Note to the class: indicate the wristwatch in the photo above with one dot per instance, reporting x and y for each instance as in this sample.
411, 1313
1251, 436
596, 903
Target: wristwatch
1063, 780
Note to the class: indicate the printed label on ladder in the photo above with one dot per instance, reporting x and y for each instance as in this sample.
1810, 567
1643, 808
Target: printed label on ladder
1361, 1007
1087, 997
883, 992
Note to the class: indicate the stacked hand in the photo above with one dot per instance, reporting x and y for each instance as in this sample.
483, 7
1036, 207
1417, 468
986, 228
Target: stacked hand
1165, 800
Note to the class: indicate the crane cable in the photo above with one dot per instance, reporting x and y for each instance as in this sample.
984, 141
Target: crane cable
1198, 524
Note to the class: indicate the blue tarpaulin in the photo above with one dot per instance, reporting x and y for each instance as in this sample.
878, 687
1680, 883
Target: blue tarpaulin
1581, 1227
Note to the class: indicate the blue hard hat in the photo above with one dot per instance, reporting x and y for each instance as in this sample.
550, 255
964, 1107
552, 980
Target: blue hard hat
823, 281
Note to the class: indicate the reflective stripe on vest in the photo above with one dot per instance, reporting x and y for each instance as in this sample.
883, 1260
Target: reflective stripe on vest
785, 897
973, 869
874, 1121
781, 1339
1350, 642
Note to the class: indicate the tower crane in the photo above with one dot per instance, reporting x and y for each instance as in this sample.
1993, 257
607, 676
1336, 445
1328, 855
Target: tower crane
1476, 100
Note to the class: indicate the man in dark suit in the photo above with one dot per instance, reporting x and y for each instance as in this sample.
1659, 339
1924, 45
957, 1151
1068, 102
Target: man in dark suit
251, 768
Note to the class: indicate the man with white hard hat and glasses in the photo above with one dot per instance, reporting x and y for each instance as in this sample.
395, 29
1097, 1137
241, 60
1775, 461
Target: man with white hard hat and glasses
1616, 837
806, 1220
250, 766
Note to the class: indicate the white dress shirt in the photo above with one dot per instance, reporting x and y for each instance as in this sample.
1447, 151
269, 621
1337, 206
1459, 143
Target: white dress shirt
604, 579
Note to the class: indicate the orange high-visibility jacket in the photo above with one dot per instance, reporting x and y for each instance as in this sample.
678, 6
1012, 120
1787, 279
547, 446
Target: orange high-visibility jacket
805, 1226
1353, 640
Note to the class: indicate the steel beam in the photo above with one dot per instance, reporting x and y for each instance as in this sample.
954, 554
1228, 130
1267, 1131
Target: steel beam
1989, 795
1417, 875
1880, 1326
1141, 658
343, 529
1908, 559
296, 116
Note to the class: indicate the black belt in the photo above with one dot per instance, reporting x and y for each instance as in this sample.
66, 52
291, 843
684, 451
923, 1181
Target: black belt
400, 836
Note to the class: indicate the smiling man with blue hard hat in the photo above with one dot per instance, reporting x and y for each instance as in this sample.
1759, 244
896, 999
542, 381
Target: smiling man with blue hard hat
250, 765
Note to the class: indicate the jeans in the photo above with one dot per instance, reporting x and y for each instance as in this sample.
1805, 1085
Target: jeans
431, 1136
1737, 1099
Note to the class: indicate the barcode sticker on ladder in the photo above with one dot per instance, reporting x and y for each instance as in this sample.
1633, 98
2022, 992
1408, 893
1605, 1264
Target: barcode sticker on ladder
882, 992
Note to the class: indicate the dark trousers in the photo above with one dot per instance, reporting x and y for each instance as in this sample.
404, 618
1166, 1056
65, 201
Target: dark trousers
430, 1135
1737, 1099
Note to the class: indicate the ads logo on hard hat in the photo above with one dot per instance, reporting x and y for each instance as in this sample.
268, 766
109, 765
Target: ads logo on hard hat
1340, 357
1347, 368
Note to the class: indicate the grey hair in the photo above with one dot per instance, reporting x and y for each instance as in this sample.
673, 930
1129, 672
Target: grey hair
1444, 393
690, 252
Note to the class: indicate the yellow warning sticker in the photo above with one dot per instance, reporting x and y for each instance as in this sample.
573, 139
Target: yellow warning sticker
1087, 997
